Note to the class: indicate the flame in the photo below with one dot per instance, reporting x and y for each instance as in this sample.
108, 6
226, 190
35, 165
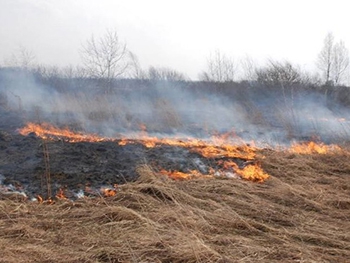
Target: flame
312, 148
48, 131
60, 194
219, 146
206, 149
183, 176
108, 192
41, 200
251, 172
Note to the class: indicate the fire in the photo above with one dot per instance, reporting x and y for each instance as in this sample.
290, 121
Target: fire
206, 149
175, 174
40, 199
48, 131
312, 147
218, 147
48, 201
60, 194
251, 172
108, 192
183, 176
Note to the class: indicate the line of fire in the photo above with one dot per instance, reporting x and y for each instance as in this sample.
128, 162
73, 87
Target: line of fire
176, 158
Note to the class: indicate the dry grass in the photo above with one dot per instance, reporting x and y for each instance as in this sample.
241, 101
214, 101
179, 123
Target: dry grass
301, 214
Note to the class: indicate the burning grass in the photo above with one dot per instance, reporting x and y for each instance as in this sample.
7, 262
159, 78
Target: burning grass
48, 131
301, 214
313, 147
227, 146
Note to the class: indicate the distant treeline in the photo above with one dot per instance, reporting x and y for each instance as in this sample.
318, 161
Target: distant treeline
240, 90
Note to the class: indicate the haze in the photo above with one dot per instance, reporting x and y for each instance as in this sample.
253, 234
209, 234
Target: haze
177, 34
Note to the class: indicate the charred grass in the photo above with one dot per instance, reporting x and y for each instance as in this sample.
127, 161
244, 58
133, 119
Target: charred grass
301, 214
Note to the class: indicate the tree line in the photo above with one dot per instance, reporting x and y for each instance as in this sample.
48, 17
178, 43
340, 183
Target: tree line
108, 58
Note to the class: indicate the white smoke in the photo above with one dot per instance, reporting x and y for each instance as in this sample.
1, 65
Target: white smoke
172, 109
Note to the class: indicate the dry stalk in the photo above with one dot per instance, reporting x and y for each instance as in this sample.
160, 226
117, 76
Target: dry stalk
46, 178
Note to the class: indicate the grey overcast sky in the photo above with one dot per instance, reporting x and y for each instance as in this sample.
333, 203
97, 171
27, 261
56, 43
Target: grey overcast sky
179, 34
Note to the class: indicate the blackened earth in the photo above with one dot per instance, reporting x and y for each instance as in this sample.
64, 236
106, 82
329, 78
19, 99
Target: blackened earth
74, 166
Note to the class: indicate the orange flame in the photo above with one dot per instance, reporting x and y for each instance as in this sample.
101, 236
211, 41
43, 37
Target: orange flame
108, 192
312, 148
183, 176
207, 149
217, 147
48, 131
60, 194
41, 200
251, 172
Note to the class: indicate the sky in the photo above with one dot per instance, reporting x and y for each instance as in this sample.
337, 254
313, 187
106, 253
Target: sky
178, 34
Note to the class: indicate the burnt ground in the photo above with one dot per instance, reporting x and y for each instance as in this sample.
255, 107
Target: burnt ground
26, 162
71, 165
75, 166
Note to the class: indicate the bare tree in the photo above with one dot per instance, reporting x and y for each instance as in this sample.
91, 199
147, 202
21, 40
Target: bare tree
249, 68
340, 61
220, 68
22, 58
136, 70
325, 57
279, 73
47, 71
333, 60
164, 73
107, 57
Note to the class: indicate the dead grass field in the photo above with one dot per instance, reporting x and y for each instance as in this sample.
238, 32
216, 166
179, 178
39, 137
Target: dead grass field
301, 214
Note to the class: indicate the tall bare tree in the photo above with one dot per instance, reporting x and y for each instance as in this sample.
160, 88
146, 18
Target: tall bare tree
340, 61
325, 57
220, 68
107, 57
333, 60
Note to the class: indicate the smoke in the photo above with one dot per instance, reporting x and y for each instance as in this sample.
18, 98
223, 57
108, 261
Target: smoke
313, 117
174, 109
23, 93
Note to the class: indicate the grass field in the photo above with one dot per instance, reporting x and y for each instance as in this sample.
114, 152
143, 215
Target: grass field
300, 214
